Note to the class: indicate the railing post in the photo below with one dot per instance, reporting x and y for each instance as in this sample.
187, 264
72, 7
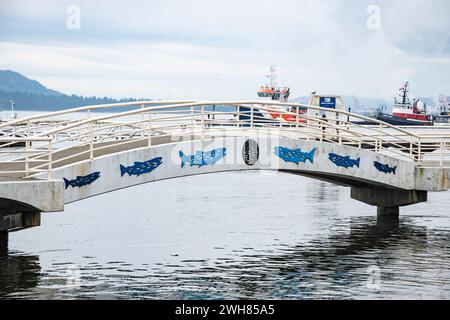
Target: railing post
442, 152
28, 128
192, 123
237, 117
27, 150
150, 128
280, 118
322, 128
202, 135
296, 122
411, 153
91, 141
419, 152
50, 159
380, 138
27, 158
340, 124
251, 116
142, 121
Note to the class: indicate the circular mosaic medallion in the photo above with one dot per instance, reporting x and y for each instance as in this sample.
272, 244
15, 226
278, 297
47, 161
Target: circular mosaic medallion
250, 152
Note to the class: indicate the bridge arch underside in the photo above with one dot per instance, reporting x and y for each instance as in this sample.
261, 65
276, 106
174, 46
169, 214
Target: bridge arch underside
330, 162
14, 216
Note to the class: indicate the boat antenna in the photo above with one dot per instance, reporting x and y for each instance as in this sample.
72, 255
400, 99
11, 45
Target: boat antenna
272, 77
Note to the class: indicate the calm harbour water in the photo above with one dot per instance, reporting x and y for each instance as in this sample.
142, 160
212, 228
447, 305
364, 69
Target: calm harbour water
231, 235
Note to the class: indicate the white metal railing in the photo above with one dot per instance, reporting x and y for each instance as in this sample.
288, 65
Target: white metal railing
46, 141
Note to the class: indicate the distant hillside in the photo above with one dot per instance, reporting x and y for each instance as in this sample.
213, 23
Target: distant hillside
11, 81
40, 102
29, 94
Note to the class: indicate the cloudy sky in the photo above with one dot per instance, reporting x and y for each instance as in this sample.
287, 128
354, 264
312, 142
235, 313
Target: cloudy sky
208, 49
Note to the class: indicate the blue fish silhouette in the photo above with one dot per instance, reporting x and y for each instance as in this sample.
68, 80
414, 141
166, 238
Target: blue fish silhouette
341, 161
141, 167
295, 155
201, 158
384, 167
82, 181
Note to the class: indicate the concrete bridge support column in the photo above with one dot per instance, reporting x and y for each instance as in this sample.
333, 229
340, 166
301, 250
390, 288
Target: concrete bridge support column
3, 243
388, 201
14, 222
388, 211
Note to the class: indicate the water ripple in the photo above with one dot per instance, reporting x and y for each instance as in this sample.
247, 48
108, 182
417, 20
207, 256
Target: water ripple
320, 246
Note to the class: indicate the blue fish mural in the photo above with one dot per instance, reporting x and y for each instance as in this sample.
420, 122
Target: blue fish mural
342, 161
201, 158
141, 167
82, 180
384, 167
295, 155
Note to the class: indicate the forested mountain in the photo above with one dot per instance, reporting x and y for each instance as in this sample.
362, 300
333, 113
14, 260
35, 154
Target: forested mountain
29, 94
11, 81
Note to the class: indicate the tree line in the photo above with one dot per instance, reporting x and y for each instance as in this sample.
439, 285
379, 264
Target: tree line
31, 101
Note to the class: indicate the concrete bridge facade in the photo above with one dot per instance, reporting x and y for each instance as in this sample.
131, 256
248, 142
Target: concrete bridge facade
90, 160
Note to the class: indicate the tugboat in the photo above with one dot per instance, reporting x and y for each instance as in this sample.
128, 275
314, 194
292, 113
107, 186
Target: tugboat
271, 90
405, 113
272, 93
274, 114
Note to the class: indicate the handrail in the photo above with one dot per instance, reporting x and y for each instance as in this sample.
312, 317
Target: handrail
20, 139
44, 138
178, 104
84, 108
237, 103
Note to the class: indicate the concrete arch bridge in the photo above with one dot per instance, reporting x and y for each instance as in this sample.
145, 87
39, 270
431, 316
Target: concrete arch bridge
51, 159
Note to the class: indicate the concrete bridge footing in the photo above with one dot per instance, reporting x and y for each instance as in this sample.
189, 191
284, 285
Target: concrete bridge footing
388, 201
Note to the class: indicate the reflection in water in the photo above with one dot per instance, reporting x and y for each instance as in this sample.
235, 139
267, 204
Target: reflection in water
18, 275
324, 268
325, 250
320, 269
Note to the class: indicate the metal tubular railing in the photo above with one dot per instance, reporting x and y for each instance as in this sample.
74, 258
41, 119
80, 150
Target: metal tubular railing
42, 143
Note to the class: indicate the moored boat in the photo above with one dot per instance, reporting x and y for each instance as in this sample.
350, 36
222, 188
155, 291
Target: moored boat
275, 114
405, 112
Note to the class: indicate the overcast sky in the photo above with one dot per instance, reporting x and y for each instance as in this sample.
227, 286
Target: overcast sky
207, 49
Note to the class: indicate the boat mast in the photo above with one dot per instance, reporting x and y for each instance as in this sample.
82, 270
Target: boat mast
272, 77
405, 92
